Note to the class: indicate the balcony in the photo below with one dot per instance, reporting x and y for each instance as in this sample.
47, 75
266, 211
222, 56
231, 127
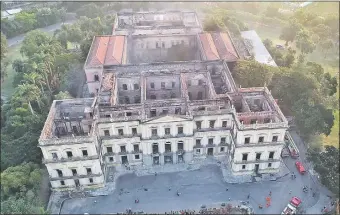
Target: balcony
120, 136
136, 151
259, 144
223, 144
167, 136
70, 159
167, 152
155, 153
213, 129
180, 151
198, 146
123, 152
74, 176
109, 154
256, 161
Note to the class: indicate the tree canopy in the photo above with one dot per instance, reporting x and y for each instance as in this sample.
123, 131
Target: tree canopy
326, 164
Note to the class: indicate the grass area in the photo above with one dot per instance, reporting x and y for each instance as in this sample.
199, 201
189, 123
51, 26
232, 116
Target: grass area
333, 138
7, 87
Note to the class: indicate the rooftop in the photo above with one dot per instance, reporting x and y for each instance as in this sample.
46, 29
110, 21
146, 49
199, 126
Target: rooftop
256, 47
106, 50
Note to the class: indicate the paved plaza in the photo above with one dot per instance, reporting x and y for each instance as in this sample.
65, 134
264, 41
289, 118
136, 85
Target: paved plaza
198, 187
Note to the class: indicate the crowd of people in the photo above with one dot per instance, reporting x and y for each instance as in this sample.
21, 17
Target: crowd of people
228, 209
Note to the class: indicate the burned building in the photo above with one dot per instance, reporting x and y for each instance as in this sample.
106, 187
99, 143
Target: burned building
161, 99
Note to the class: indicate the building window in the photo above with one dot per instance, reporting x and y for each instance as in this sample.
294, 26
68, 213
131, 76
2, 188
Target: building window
96, 78
54, 155
190, 96
275, 138
211, 123
199, 96
106, 132
173, 84
62, 183
198, 142
154, 131
245, 156
163, 45
137, 99
153, 97
88, 171
136, 86
134, 131
223, 140
211, 141
253, 121
189, 83
198, 125
258, 156
167, 131
69, 154
269, 164
163, 85
261, 139
243, 166
180, 130
177, 110
122, 149
127, 100
246, 140
136, 148
60, 173
120, 132
109, 149
180, 146
74, 172
165, 111
124, 87
271, 155
224, 124
173, 95
168, 147
152, 85
136, 157
222, 149
200, 82
266, 120
153, 112
91, 180
85, 154
198, 151
111, 159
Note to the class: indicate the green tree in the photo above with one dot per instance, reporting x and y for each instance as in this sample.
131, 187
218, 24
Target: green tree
253, 74
289, 32
89, 10
323, 31
272, 11
63, 95
326, 45
304, 42
312, 119
326, 164
26, 21
4, 46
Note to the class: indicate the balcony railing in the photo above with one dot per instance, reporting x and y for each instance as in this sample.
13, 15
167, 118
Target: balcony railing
198, 146
180, 151
70, 159
123, 153
259, 144
213, 129
120, 136
257, 161
109, 153
167, 136
137, 151
76, 176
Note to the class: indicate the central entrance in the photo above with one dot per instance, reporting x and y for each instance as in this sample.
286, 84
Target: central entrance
210, 151
124, 159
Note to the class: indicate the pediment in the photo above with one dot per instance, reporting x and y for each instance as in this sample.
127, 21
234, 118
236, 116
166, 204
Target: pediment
167, 119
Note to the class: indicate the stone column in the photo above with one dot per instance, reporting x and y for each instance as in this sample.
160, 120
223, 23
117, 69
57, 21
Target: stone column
161, 159
174, 158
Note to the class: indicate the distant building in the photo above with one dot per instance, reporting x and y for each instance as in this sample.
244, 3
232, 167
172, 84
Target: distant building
256, 47
163, 94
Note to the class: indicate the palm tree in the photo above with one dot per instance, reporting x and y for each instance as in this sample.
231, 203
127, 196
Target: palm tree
28, 93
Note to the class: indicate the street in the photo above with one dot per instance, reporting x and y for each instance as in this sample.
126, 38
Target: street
199, 187
18, 39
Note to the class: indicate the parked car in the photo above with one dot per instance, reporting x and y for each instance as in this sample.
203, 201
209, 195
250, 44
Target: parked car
300, 167
280, 47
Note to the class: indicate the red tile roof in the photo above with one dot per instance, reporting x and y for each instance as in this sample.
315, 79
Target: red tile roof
218, 46
209, 46
106, 50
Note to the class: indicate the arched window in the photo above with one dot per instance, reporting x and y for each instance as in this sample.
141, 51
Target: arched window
124, 87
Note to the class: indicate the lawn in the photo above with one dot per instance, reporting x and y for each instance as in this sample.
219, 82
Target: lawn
7, 87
